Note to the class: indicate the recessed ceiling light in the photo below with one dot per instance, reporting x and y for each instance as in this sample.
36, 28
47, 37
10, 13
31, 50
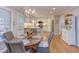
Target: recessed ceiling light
26, 11
54, 8
33, 11
30, 10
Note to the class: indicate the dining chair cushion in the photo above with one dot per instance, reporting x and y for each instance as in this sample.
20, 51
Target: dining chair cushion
8, 35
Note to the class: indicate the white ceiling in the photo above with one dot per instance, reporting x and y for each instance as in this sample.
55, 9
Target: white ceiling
44, 10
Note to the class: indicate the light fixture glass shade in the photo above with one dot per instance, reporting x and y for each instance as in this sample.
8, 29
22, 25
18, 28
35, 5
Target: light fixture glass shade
54, 8
26, 11
33, 11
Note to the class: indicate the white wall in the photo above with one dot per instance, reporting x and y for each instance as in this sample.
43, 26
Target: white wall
61, 23
56, 25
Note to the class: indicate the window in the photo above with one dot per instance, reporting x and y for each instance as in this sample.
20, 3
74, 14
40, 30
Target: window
20, 24
5, 22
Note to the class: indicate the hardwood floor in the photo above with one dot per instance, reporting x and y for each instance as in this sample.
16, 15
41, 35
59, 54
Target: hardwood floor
57, 45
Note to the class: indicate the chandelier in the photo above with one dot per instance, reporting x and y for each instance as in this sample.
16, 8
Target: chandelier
30, 13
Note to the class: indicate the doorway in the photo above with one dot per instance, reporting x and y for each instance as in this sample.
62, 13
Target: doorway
52, 25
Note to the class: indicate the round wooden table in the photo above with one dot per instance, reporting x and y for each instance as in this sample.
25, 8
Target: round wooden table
33, 44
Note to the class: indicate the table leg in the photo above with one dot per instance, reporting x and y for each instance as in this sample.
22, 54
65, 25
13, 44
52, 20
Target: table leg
33, 47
